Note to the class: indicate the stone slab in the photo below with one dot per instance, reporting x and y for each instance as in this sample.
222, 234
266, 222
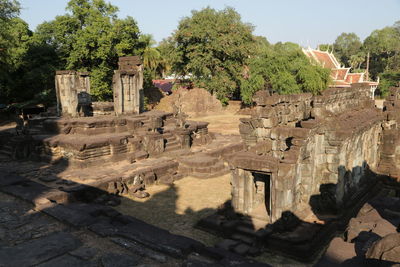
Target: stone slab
68, 261
39, 250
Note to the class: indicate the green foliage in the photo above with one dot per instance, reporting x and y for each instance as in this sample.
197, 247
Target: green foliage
346, 45
325, 47
388, 79
283, 69
213, 46
91, 38
9, 9
384, 47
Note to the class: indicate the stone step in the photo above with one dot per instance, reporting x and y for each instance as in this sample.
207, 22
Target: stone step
172, 142
4, 158
170, 139
6, 152
218, 166
244, 238
199, 160
35, 132
245, 230
173, 147
209, 175
7, 147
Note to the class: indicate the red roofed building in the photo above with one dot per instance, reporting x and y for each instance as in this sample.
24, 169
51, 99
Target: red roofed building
341, 76
164, 85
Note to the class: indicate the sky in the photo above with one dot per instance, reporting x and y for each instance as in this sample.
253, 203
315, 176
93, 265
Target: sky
306, 22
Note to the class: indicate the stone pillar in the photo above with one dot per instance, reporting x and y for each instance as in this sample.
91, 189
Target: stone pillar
69, 84
128, 86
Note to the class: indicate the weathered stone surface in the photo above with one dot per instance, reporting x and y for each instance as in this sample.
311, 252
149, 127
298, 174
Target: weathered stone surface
227, 244
39, 250
369, 221
338, 251
241, 249
337, 132
71, 216
10, 178
139, 250
68, 261
387, 248
128, 86
119, 260
84, 253
158, 239
28, 190
68, 86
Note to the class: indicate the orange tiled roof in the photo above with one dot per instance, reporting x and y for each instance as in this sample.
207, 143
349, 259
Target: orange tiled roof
354, 77
325, 59
339, 74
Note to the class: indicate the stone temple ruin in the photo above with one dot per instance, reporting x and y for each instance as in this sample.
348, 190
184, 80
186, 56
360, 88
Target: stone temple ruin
128, 86
301, 168
130, 137
308, 164
72, 91
297, 143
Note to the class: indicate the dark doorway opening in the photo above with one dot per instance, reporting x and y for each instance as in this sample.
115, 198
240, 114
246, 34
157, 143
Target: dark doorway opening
262, 183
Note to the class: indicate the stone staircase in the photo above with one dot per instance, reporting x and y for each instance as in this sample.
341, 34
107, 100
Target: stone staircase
202, 166
170, 142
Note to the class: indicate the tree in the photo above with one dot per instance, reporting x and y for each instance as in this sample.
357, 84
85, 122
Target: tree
356, 60
9, 9
388, 79
213, 46
283, 69
151, 55
384, 48
346, 45
91, 38
168, 55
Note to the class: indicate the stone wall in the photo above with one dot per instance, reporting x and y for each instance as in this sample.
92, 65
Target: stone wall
317, 151
128, 86
390, 150
196, 101
68, 85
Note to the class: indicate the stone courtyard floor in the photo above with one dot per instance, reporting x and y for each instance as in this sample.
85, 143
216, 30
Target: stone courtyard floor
28, 237
180, 206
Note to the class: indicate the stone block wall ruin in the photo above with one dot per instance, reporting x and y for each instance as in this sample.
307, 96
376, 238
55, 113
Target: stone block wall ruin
73, 91
306, 153
390, 147
69, 84
128, 86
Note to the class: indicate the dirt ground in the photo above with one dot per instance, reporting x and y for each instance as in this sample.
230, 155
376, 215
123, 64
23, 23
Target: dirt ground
226, 123
178, 207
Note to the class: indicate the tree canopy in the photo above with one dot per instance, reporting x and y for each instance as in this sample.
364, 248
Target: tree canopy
220, 53
284, 69
213, 47
91, 38
345, 46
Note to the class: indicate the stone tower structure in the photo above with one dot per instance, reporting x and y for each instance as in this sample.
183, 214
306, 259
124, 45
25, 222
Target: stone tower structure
128, 86
70, 85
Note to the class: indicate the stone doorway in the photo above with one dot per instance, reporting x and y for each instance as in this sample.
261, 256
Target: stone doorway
262, 197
